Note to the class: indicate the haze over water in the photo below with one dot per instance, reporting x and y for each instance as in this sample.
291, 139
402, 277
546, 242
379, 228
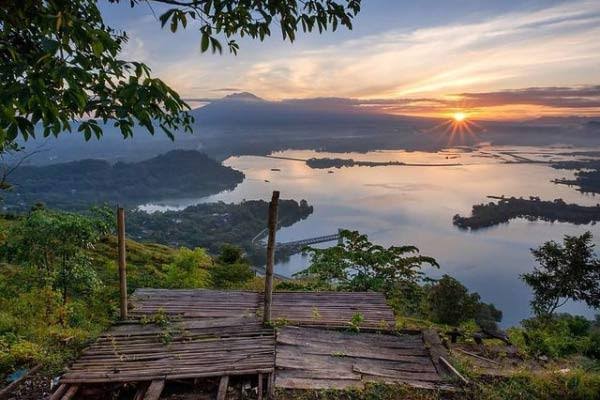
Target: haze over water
415, 204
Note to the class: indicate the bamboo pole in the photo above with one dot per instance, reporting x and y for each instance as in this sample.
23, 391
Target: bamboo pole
272, 226
122, 261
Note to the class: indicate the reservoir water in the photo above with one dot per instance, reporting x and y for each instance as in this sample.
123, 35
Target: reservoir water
415, 204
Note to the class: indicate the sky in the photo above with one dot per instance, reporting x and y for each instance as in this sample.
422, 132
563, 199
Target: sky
489, 59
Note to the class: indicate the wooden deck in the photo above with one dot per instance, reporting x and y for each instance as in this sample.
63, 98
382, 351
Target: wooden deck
317, 309
136, 352
190, 334
309, 358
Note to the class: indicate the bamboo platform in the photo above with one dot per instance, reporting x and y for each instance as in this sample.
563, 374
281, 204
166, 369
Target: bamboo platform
316, 309
309, 358
192, 334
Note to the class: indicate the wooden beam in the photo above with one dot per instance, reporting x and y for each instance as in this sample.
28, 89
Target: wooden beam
222, 393
272, 226
122, 261
71, 392
436, 349
141, 391
453, 370
58, 394
271, 386
154, 390
259, 390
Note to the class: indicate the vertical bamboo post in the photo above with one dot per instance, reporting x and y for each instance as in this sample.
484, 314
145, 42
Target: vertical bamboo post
122, 261
272, 226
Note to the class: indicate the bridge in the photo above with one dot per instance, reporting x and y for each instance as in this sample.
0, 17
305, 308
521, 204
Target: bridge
309, 241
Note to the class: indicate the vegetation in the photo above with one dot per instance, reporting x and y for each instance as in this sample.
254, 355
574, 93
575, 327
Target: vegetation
211, 225
490, 214
79, 184
448, 302
587, 175
570, 271
323, 163
359, 265
59, 282
60, 60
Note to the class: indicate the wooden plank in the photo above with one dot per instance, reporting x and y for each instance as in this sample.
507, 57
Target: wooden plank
154, 390
318, 384
259, 387
71, 392
60, 391
141, 391
436, 349
223, 384
122, 261
272, 226
453, 370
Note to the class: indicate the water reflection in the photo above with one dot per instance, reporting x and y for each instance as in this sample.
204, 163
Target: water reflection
415, 205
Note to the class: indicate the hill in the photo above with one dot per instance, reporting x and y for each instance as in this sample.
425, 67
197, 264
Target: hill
78, 184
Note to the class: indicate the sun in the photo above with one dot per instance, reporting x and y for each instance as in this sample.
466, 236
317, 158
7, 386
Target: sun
459, 116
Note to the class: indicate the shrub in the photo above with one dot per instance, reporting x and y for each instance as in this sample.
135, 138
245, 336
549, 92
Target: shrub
189, 269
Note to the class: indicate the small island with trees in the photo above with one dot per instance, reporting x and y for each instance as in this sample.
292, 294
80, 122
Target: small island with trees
533, 208
325, 163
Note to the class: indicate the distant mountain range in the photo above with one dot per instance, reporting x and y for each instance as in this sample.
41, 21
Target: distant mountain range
243, 123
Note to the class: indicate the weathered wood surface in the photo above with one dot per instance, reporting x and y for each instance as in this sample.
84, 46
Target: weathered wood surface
333, 309
317, 309
134, 352
309, 358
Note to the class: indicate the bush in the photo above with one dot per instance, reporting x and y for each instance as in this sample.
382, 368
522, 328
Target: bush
189, 269
449, 302
560, 336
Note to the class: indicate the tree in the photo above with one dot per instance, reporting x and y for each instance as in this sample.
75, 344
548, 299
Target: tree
231, 269
359, 265
53, 244
59, 60
567, 271
449, 302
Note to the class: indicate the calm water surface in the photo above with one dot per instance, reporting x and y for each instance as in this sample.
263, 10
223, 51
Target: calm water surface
415, 205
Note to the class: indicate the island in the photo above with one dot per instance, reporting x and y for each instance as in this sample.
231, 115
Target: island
587, 175
79, 184
533, 209
325, 163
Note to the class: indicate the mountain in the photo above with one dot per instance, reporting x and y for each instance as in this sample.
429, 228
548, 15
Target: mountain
245, 124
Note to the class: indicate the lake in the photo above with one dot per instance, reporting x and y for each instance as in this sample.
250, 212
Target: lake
415, 205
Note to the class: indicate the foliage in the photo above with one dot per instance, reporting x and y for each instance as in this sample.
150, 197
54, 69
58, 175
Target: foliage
449, 302
59, 63
568, 271
59, 60
231, 270
212, 225
559, 336
229, 18
51, 245
573, 385
359, 265
189, 269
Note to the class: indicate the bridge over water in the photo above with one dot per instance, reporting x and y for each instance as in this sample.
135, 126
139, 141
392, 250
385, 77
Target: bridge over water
309, 241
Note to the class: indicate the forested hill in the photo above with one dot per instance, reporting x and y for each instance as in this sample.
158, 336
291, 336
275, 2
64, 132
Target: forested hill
79, 184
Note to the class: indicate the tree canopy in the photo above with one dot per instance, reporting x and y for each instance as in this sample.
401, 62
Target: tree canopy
567, 271
356, 264
59, 60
